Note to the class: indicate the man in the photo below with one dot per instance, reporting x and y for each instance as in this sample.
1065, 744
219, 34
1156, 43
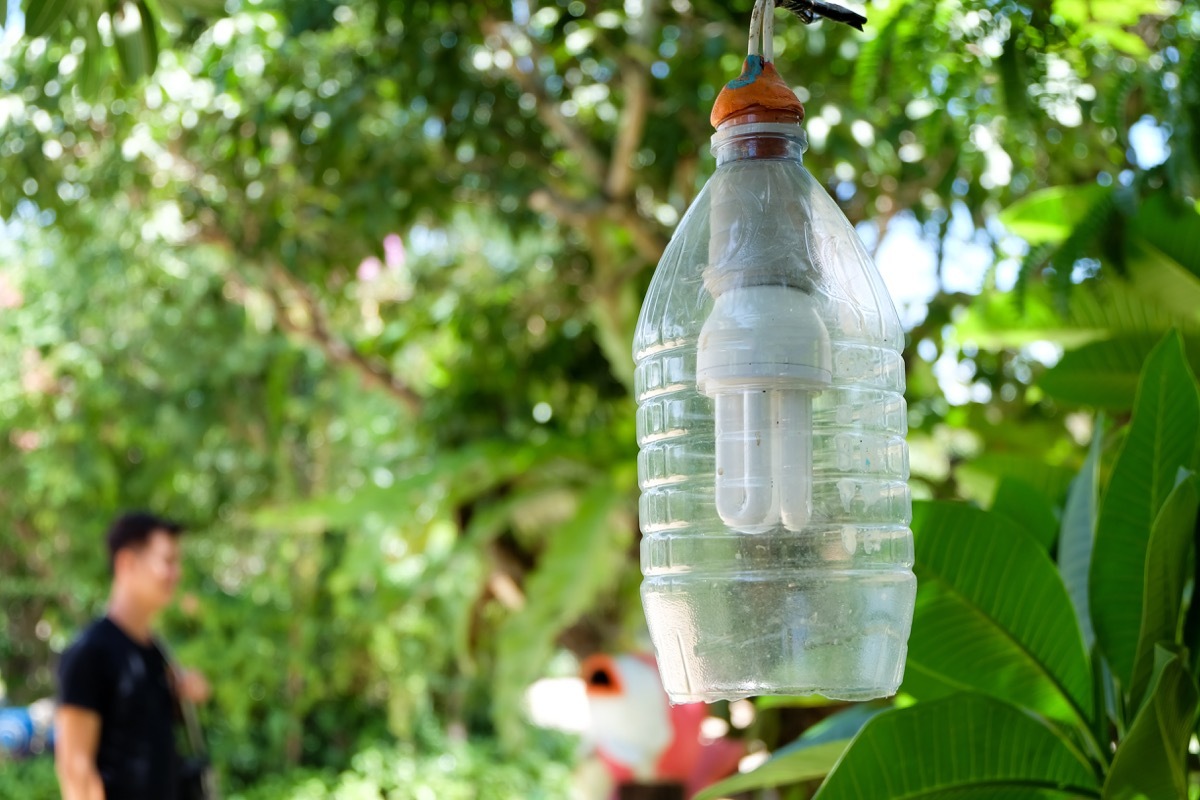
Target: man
114, 738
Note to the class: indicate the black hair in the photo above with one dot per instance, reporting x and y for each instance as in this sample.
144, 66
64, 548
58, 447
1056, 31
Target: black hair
133, 530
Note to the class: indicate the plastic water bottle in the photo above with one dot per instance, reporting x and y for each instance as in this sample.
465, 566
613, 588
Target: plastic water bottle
771, 420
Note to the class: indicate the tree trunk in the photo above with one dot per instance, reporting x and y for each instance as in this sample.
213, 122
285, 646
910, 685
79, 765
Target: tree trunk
648, 791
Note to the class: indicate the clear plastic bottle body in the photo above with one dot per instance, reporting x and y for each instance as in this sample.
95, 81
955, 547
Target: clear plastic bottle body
822, 606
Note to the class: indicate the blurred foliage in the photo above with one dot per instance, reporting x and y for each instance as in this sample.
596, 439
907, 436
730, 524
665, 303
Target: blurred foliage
454, 771
441, 769
351, 288
29, 780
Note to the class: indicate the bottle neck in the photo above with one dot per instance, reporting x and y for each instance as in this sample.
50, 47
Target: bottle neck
744, 141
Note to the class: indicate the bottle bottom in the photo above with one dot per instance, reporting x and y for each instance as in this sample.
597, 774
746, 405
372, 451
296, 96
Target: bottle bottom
842, 635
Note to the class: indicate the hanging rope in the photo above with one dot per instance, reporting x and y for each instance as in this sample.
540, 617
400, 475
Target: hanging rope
762, 30
760, 49
810, 10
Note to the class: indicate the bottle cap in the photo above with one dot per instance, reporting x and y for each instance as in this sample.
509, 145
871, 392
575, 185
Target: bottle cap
759, 94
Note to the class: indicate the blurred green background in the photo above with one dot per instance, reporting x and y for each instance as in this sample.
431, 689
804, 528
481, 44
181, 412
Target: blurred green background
350, 288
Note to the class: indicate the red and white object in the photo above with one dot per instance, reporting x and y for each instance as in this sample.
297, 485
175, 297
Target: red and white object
640, 737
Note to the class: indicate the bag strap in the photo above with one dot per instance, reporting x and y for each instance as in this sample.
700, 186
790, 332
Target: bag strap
187, 709
191, 720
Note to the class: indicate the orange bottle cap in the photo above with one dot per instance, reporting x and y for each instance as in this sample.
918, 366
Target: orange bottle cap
759, 94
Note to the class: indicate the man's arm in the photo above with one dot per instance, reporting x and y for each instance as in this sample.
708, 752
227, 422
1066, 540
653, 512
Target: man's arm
192, 686
76, 740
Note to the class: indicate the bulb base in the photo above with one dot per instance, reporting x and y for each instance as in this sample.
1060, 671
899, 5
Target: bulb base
762, 337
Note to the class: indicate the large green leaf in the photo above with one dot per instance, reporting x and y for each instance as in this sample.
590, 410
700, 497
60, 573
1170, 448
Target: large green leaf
452, 477
843, 725
43, 16
1104, 374
1051, 214
1173, 229
1162, 289
97, 59
135, 33
980, 478
794, 701
1079, 534
1158, 277
1096, 310
1161, 440
1027, 507
967, 745
201, 8
1151, 761
583, 558
1166, 577
992, 615
797, 766
878, 47
1115, 13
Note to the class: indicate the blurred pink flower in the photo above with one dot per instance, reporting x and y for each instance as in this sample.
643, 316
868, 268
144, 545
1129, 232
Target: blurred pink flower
36, 375
393, 251
369, 269
10, 296
26, 440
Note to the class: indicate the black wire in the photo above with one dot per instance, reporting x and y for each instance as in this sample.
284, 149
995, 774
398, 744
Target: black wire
809, 10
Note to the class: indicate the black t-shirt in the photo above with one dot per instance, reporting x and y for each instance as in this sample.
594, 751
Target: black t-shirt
126, 684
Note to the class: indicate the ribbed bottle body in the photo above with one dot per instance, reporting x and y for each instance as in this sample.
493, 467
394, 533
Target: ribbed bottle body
824, 609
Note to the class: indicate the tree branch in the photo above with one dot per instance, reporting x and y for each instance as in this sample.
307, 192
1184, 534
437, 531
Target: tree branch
577, 213
308, 320
372, 370
646, 236
614, 181
633, 117
548, 110
507, 575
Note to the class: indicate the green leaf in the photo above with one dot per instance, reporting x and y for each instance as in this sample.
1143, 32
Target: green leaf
136, 37
1086, 233
1111, 13
200, 8
1096, 310
490, 520
1027, 507
868, 67
980, 477
841, 726
1151, 761
43, 16
96, 63
1014, 79
1166, 577
797, 766
1104, 374
992, 615
1051, 214
1172, 227
1079, 534
150, 35
453, 476
582, 559
1123, 40
1100, 374
967, 745
794, 701
1161, 440
1161, 279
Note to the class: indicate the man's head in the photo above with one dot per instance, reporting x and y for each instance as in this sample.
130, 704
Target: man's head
144, 555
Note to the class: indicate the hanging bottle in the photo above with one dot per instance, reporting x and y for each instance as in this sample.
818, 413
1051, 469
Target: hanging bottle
771, 420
